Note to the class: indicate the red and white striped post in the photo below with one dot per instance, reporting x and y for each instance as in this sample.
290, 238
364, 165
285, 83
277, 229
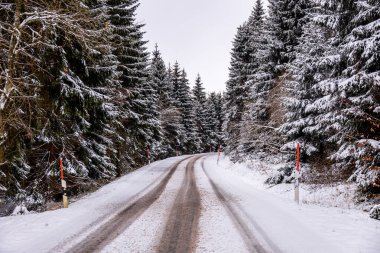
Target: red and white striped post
297, 175
63, 183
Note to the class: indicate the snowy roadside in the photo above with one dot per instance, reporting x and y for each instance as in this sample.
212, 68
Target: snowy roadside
256, 172
42, 232
310, 226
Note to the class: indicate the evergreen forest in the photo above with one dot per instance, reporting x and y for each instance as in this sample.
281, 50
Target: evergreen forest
78, 83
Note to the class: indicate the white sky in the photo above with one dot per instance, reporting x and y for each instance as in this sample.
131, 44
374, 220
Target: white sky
196, 33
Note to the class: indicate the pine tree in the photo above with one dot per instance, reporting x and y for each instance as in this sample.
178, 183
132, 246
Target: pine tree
170, 120
199, 105
160, 77
236, 91
175, 75
357, 91
256, 116
68, 118
138, 117
191, 141
310, 67
212, 122
219, 101
286, 24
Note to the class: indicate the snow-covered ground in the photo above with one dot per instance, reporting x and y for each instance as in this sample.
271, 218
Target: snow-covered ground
255, 173
42, 232
238, 214
323, 222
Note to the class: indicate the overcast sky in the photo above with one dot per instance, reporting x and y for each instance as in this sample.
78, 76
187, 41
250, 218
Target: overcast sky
196, 33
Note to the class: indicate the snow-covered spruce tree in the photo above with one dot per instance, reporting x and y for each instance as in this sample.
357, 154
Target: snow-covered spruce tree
337, 114
159, 76
174, 74
191, 140
286, 20
310, 70
213, 121
175, 77
138, 116
272, 43
159, 79
236, 92
218, 103
170, 119
257, 133
358, 92
199, 107
59, 113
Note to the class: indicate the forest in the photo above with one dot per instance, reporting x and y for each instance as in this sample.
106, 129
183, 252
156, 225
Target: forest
78, 83
308, 73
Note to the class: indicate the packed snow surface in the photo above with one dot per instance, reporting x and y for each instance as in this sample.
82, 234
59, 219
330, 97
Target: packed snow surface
277, 223
308, 227
42, 232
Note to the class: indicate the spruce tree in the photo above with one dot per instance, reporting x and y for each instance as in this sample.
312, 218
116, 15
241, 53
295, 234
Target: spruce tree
160, 77
199, 105
138, 117
357, 91
212, 123
191, 141
68, 119
236, 92
256, 116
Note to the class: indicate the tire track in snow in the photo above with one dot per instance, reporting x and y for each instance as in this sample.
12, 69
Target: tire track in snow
99, 238
181, 228
249, 238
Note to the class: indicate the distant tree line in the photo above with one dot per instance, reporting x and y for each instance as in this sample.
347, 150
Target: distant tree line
308, 72
78, 84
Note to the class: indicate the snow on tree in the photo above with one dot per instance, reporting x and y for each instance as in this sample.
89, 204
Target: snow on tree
160, 78
213, 121
236, 92
199, 107
285, 18
359, 88
56, 107
170, 116
308, 68
255, 123
138, 117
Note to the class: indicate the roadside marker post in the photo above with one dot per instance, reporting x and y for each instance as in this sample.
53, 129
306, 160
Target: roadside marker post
64, 186
297, 175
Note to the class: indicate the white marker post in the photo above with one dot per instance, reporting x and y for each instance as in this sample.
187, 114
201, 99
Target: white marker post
297, 175
63, 182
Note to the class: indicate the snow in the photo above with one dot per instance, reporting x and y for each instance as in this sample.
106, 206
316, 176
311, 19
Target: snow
279, 224
214, 225
148, 227
375, 212
297, 228
20, 210
64, 227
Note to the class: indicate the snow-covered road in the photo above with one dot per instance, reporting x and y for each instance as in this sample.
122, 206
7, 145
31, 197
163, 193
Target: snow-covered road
189, 204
